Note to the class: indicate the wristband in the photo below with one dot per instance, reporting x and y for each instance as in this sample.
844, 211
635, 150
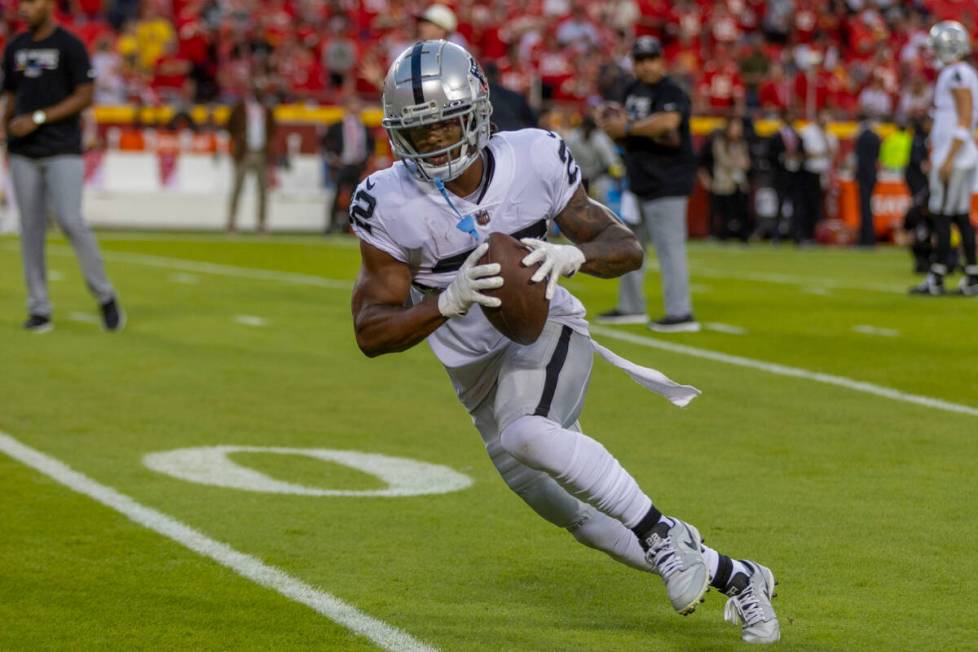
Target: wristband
962, 133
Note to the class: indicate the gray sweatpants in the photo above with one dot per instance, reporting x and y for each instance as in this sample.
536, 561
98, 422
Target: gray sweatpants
664, 222
56, 182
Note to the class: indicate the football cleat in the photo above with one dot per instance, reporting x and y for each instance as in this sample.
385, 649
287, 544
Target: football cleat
39, 324
750, 605
683, 324
676, 555
969, 286
931, 286
113, 316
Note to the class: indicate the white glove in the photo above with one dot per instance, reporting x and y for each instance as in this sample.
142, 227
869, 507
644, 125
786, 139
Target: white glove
464, 290
558, 260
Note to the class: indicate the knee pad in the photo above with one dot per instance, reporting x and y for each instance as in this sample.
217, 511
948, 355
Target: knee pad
535, 441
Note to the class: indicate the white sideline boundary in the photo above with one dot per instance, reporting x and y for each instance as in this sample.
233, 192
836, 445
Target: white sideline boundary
784, 370
750, 363
185, 265
386, 636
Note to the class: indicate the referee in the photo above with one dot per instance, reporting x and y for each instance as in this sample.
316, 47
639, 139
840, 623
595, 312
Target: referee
47, 83
654, 126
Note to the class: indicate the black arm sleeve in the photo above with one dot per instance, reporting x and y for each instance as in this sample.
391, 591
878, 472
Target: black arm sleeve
9, 77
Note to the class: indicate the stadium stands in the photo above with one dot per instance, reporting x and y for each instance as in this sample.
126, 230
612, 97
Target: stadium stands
732, 54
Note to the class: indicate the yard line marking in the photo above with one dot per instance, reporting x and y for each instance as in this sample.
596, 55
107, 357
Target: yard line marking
866, 329
788, 279
821, 292
298, 238
84, 318
785, 370
386, 636
250, 320
321, 281
185, 279
215, 268
55, 275
730, 329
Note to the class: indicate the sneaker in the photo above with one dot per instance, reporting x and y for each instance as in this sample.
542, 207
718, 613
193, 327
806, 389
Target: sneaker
684, 324
113, 317
39, 324
675, 554
750, 605
930, 286
618, 317
968, 286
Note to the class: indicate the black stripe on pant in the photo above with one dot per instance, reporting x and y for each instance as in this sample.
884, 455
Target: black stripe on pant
553, 373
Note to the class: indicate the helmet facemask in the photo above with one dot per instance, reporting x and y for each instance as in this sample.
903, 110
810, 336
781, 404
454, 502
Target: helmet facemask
473, 120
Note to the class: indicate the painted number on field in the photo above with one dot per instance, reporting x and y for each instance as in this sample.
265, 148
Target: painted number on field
211, 465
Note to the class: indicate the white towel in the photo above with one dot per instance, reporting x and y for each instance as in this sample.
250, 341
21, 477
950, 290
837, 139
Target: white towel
651, 379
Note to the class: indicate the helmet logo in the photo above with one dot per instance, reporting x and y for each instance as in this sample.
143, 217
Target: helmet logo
475, 72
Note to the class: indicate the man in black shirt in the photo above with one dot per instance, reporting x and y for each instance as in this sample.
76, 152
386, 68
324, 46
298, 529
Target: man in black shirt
510, 110
654, 127
867, 150
47, 83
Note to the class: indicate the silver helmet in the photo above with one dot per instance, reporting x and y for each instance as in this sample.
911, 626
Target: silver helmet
950, 41
430, 82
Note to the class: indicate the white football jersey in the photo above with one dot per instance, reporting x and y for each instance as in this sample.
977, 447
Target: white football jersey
956, 75
531, 177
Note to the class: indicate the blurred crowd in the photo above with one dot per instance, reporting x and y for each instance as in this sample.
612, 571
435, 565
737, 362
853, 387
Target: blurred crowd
732, 55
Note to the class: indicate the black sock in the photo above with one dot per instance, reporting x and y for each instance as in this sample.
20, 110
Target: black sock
722, 576
645, 525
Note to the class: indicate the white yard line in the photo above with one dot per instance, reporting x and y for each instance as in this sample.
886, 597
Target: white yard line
184, 279
729, 329
866, 329
215, 268
84, 318
789, 279
249, 272
250, 320
55, 275
784, 370
386, 636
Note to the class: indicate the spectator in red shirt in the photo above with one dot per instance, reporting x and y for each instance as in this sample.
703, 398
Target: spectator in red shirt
171, 76
721, 88
553, 65
776, 90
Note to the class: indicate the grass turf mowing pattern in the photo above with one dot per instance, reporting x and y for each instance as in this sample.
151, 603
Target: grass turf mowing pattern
859, 504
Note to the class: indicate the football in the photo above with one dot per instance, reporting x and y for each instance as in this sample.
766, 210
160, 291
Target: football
524, 306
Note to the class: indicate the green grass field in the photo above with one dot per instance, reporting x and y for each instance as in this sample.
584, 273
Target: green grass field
864, 506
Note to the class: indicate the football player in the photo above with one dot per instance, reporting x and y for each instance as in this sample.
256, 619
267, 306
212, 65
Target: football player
422, 223
953, 155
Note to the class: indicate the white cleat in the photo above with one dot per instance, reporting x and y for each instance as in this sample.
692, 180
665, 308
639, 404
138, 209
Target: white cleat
750, 605
676, 554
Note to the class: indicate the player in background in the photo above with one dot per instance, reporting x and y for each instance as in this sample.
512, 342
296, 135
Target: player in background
47, 83
953, 155
423, 223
